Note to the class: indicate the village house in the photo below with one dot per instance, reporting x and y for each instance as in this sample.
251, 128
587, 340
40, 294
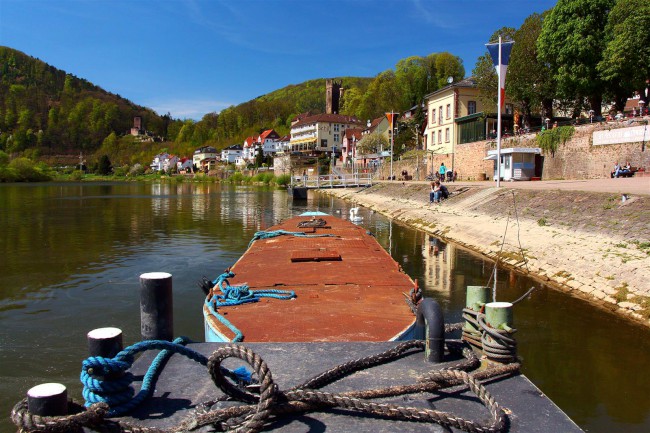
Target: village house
249, 149
282, 144
230, 154
321, 133
205, 158
163, 162
268, 141
185, 166
349, 146
455, 115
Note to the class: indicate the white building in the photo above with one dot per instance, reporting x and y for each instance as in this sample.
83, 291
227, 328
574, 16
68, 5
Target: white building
321, 133
230, 154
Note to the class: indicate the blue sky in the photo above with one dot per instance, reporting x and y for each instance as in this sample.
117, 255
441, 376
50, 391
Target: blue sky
191, 57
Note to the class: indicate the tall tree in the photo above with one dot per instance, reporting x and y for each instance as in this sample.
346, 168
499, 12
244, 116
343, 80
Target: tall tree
626, 60
448, 65
571, 42
485, 74
528, 80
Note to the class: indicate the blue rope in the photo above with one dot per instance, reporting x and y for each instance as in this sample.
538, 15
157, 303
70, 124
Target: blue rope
106, 380
275, 233
238, 295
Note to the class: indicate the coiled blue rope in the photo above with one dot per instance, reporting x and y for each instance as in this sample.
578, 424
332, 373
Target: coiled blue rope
237, 295
107, 380
275, 233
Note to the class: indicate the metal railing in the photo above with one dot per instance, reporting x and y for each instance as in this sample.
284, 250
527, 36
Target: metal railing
332, 180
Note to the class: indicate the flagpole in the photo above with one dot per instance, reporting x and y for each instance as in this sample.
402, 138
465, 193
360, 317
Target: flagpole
499, 120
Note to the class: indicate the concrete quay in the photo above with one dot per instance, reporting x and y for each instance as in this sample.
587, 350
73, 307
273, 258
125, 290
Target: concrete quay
579, 236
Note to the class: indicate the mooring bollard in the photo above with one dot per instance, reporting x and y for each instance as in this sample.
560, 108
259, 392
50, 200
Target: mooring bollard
48, 399
430, 327
156, 306
105, 342
499, 315
498, 343
476, 298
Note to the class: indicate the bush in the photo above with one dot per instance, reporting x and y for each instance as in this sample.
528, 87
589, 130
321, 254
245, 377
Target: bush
76, 175
24, 170
283, 180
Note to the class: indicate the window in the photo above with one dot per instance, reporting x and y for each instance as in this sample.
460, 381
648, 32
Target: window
447, 135
336, 138
433, 115
448, 111
440, 114
336, 129
471, 107
440, 136
509, 109
323, 143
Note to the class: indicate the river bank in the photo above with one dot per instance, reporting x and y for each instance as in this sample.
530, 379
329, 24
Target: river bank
594, 245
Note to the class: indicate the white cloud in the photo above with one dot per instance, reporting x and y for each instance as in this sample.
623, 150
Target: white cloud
187, 109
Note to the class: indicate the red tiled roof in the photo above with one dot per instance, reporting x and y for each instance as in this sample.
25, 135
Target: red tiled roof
353, 132
331, 118
266, 133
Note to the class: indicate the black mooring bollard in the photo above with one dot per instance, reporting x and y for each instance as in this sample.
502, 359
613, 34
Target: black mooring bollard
430, 327
48, 399
156, 306
105, 342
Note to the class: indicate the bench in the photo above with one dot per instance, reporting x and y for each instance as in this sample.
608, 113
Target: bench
630, 173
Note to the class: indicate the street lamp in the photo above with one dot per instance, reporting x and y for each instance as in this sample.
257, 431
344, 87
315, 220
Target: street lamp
547, 121
591, 116
641, 104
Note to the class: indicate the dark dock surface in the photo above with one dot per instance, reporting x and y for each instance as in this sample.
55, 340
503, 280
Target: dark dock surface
184, 383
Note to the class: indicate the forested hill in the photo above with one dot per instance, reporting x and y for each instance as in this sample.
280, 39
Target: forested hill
45, 109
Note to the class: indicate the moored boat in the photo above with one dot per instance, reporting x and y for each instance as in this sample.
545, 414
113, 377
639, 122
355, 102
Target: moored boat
314, 277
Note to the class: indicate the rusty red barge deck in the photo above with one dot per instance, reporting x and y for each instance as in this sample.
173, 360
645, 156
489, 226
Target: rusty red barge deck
348, 288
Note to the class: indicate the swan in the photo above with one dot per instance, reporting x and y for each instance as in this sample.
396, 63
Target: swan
354, 214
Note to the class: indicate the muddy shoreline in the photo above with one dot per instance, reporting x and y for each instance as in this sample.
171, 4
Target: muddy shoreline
592, 245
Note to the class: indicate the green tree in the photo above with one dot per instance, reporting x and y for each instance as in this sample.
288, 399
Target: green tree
485, 74
528, 80
448, 65
104, 166
571, 43
372, 143
625, 64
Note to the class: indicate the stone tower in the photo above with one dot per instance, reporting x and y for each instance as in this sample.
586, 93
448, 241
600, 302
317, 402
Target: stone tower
334, 91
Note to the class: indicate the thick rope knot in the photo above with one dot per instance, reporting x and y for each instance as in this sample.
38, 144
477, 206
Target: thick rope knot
105, 380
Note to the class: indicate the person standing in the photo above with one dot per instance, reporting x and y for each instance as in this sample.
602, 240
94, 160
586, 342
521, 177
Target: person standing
442, 171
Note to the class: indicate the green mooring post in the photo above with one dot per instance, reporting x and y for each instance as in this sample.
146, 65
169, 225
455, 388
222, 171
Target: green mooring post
477, 296
499, 315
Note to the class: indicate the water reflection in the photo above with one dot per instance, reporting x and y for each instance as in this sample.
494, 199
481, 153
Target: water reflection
72, 254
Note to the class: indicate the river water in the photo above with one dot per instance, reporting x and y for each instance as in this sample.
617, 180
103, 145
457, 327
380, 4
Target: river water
71, 255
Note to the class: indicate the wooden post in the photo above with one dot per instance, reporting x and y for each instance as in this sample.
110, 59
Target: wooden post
48, 399
105, 342
156, 306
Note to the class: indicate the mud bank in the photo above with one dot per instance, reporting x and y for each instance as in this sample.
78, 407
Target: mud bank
593, 245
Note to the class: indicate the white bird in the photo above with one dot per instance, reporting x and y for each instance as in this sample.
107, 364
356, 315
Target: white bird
354, 215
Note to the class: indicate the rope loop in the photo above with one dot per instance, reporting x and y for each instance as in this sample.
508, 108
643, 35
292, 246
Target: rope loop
106, 380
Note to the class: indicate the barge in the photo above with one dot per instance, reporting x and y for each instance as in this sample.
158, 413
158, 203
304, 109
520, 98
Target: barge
312, 278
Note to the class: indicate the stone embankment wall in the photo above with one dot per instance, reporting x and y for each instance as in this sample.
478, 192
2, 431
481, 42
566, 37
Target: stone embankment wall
578, 158
592, 245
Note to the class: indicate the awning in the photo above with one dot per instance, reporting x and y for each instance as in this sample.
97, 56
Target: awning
491, 157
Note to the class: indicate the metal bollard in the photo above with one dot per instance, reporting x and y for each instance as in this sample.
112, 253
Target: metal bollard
156, 306
499, 315
430, 327
476, 298
48, 399
105, 342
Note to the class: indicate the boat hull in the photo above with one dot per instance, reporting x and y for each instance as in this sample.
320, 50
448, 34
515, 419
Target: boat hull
348, 288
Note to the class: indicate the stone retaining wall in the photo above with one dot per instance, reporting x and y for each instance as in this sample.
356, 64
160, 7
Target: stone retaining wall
578, 158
